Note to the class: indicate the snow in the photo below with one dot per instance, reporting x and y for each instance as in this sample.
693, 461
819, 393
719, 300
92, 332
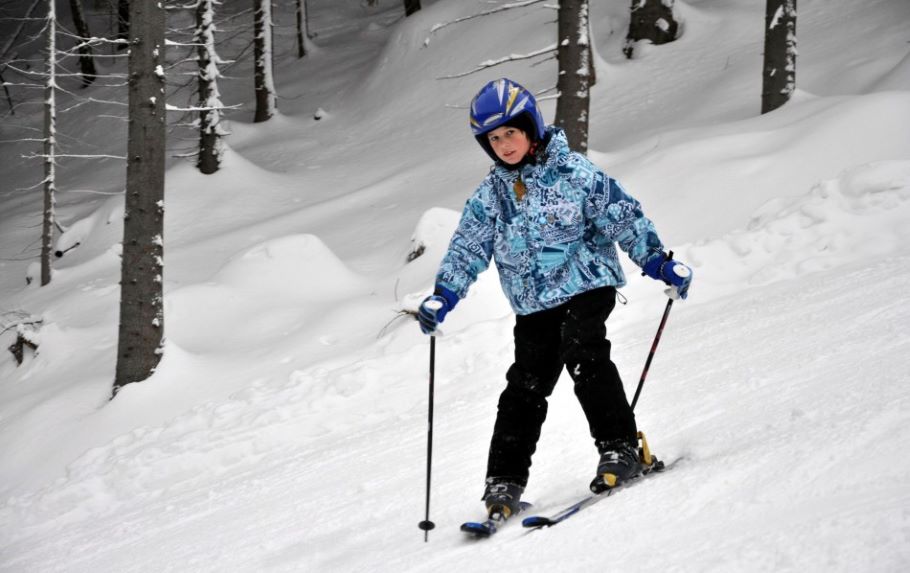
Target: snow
778, 15
285, 427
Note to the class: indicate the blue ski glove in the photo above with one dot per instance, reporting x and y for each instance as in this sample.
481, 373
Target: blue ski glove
434, 308
673, 273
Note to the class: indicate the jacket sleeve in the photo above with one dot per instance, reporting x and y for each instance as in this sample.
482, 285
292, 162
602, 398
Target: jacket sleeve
471, 246
618, 217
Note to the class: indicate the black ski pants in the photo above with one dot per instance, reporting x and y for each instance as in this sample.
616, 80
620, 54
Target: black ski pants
571, 335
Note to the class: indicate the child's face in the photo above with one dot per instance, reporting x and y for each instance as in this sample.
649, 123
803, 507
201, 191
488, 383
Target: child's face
509, 143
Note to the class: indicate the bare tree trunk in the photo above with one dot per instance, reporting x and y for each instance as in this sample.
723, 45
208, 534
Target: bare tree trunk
10, 42
306, 20
50, 146
123, 21
209, 96
9, 98
779, 73
86, 60
411, 6
262, 54
141, 332
651, 20
573, 84
301, 18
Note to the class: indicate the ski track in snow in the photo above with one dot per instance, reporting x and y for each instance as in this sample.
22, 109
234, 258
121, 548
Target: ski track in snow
296, 489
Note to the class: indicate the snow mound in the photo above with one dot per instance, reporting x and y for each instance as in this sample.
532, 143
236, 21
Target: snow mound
284, 283
428, 245
859, 215
299, 267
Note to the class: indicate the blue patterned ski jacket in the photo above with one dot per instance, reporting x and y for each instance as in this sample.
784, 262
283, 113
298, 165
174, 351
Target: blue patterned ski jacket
558, 241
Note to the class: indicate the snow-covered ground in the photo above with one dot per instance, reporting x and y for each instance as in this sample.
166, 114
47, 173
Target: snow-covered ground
285, 429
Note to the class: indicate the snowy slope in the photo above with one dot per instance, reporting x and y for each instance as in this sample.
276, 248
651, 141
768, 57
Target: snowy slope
285, 428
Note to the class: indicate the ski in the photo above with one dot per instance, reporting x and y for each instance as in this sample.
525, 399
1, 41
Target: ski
540, 521
484, 529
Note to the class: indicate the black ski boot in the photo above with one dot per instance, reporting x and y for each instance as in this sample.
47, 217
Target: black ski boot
502, 499
619, 462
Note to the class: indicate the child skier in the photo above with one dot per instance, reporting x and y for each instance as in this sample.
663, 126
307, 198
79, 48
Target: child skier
551, 220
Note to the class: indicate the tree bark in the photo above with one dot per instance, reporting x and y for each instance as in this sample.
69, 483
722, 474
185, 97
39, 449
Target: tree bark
411, 6
50, 146
141, 331
9, 98
651, 20
262, 54
86, 60
573, 85
123, 22
301, 18
209, 96
779, 70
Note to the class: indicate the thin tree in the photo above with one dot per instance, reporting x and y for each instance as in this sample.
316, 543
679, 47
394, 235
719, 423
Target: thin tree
48, 81
302, 26
141, 335
262, 55
9, 98
210, 106
411, 6
10, 42
574, 82
86, 61
779, 71
50, 146
123, 22
651, 20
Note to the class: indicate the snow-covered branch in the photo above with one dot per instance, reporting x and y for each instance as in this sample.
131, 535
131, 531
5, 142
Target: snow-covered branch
502, 8
77, 156
170, 107
92, 41
511, 58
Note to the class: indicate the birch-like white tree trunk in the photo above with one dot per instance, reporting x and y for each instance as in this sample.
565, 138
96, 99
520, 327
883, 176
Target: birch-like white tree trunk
262, 55
779, 70
141, 334
210, 106
575, 76
50, 146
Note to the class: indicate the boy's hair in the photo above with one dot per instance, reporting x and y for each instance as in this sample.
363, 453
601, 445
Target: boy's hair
524, 123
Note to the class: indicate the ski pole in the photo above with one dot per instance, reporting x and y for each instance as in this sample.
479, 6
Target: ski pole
426, 525
660, 330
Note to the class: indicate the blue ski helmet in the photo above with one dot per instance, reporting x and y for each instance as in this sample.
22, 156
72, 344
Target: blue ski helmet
500, 102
